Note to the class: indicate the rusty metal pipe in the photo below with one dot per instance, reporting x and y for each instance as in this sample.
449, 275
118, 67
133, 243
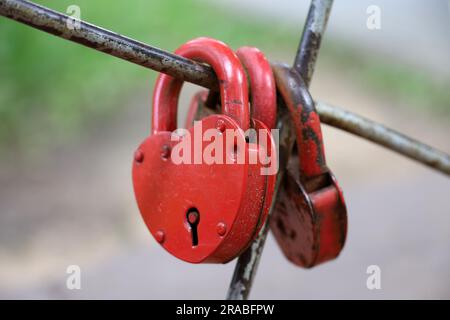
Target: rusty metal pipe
384, 136
308, 49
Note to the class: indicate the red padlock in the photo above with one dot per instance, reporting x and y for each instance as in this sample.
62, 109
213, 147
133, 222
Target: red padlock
310, 218
201, 212
263, 107
263, 90
262, 83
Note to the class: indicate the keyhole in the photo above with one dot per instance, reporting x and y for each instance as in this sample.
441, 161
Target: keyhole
193, 218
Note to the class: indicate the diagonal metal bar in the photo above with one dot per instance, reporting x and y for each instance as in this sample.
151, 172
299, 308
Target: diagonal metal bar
308, 50
247, 263
305, 61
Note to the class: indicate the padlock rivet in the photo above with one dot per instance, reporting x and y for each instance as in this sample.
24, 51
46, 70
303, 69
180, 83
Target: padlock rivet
160, 236
221, 125
138, 156
221, 229
165, 151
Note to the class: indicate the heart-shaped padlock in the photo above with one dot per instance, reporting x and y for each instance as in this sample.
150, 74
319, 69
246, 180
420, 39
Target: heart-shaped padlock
201, 210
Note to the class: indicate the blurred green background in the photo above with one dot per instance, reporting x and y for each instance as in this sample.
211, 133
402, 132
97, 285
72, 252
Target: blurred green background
49, 87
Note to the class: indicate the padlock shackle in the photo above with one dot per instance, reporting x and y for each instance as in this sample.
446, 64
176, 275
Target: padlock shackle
262, 81
305, 119
232, 83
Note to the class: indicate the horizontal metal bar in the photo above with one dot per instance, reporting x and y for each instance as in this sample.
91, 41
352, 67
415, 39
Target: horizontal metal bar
159, 60
384, 136
108, 42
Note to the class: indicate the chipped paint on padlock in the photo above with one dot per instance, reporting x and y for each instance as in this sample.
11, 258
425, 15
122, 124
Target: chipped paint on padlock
310, 218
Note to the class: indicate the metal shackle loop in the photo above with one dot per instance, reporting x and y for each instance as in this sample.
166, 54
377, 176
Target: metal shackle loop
305, 120
262, 84
232, 83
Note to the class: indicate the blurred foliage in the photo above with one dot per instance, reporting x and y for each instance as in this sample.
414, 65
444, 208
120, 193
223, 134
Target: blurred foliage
49, 87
